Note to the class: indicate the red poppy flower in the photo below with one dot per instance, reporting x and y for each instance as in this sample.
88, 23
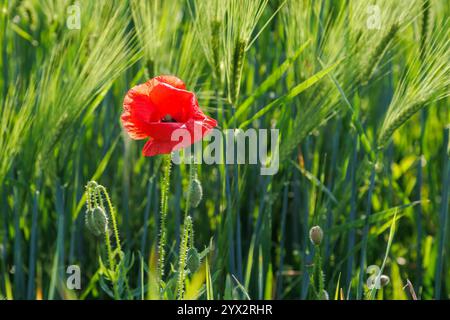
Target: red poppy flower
159, 109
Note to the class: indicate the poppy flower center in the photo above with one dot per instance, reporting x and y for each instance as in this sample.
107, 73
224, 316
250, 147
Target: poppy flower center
168, 118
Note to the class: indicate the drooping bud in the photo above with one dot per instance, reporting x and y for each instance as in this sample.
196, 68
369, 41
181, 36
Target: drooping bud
196, 193
316, 235
384, 280
97, 221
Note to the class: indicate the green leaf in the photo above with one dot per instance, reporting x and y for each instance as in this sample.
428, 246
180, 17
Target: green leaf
292, 93
308, 175
100, 169
376, 217
371, 293
209, 286
105, 288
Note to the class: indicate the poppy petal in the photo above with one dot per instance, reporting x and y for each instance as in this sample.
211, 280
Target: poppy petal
172, 80
136, 129
139, 111
146, 107
162, 131
154, 147
179, 104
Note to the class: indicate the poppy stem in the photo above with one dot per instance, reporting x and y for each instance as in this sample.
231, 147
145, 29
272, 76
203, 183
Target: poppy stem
94, 200
112, 213
192, 176
186, 238
167, 164
187, 234
97, 195
318, 279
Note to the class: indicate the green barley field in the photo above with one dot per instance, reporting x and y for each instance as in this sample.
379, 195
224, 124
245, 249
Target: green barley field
353, 96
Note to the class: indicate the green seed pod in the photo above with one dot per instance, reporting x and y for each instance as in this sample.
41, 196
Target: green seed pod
196, 193
193, 260
316, 235
97, 221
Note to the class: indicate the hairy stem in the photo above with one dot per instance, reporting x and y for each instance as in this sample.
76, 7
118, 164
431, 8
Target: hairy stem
164, 207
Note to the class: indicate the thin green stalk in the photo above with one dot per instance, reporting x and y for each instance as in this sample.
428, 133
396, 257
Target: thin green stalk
165, 185
187, 234
419, 211
112, 214
96, 196
112, 265
229, 220
150, 187
318, 278
98, 202
111, 260
282, 240
305, 210
365, 238
184, 246
33, 248
58, 258
443, 218
420, 164
19, 284
352, 216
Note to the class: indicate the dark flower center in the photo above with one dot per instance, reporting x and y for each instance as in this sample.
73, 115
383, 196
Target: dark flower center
168, 118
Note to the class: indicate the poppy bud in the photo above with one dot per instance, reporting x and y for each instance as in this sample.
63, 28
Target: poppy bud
196, 193
384, 280
96, 221
316, 235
